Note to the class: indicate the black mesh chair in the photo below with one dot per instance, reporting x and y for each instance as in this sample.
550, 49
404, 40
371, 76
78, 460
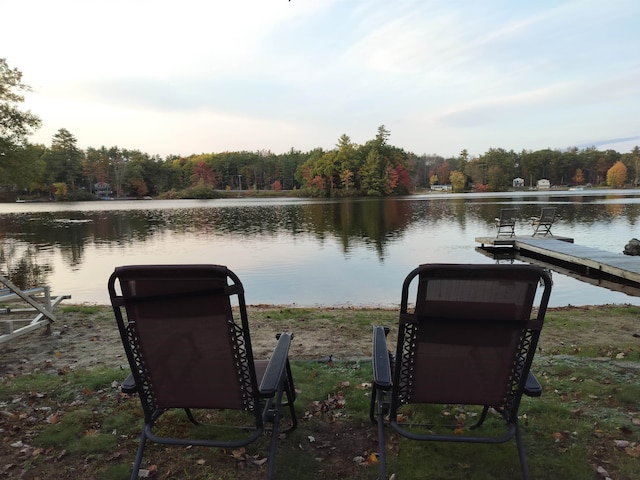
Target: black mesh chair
470, 340
187, 350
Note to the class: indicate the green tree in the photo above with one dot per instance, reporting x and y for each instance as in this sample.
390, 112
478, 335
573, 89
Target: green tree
64, 160
15, 124
463, 160
635, 153
372, 174
28, 172
498, 168
349, 163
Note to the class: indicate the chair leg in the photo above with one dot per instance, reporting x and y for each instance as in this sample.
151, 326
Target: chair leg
372, 406
275, 434
290, 392
139, 454
377, 411
292, 411
522, 454
483, 416
191, 417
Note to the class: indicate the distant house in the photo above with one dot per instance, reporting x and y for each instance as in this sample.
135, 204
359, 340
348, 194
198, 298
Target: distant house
102, 189
544, 184
441, 187
518, 182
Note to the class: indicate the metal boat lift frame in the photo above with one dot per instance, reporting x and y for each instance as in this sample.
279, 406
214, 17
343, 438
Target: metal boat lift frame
39, 301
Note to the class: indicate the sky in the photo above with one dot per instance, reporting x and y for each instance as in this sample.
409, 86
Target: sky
188, 77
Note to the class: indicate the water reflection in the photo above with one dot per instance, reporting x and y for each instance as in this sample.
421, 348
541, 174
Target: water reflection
351, 244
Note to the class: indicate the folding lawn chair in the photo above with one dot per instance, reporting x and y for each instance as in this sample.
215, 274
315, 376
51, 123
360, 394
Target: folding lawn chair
187, 350
506, 223
470, 340
543, 223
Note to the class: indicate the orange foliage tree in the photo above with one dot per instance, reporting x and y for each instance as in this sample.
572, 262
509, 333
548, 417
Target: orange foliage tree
617, 175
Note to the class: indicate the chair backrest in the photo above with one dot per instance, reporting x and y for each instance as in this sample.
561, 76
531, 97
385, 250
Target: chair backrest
470, 338
508, 216
185, 348
547, 215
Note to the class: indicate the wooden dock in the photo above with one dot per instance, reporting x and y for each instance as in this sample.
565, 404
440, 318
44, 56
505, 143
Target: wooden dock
562, 252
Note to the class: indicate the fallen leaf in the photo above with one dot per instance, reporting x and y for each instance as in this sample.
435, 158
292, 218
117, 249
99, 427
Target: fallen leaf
238, 454
633, 451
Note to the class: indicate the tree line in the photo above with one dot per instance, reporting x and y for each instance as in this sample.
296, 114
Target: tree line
63, 171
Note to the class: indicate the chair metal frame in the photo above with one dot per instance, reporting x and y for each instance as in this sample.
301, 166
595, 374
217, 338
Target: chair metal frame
441, 342
196, 301
544, 222
506, 223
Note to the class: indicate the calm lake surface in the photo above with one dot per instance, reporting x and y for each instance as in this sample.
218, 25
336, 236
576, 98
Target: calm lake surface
299, 251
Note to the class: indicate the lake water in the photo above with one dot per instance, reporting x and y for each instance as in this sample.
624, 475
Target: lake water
299, 251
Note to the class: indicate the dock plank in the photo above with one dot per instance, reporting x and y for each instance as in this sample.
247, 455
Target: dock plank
616, 264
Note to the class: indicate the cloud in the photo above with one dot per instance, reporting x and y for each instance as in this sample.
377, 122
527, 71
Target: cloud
442, 76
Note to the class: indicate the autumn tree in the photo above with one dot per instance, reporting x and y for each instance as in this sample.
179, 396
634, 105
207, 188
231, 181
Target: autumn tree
579, 177
617, 175
458, 180
404, 184
203, 174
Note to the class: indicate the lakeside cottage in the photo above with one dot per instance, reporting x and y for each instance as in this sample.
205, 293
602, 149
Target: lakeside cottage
544, 184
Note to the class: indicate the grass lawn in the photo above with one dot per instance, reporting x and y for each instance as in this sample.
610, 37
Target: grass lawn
68, 420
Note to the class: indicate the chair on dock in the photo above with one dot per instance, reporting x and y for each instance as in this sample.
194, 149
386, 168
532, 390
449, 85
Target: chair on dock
506, 223
188, 350
469, 340
542, 224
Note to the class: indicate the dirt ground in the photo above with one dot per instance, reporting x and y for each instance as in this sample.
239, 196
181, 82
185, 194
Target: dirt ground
78, 340
81, 340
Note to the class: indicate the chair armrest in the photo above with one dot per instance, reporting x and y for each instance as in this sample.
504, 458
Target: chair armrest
274, 373
129, 386
380, 361
533, 387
